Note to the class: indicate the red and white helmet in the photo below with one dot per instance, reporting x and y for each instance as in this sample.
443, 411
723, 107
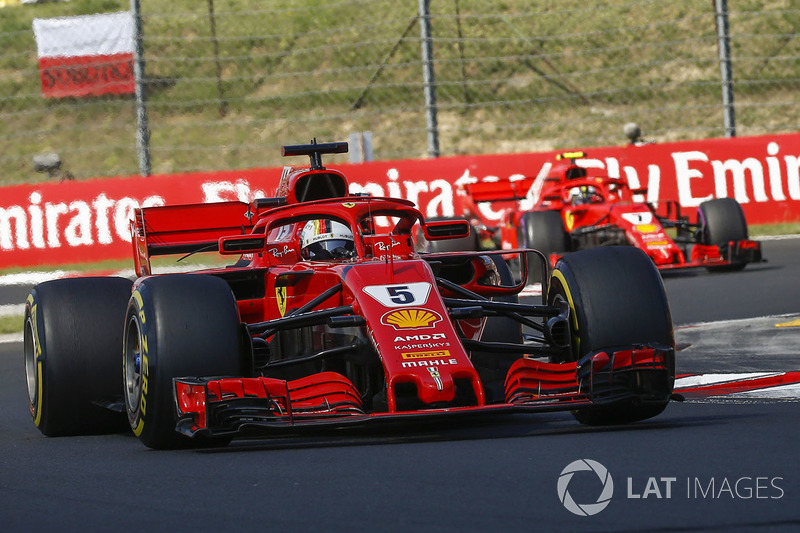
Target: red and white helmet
326, 239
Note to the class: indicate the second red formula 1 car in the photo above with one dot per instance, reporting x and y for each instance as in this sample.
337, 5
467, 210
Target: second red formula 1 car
326, 315
572, 210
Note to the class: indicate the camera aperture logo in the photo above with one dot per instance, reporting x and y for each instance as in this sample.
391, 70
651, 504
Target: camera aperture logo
585, 509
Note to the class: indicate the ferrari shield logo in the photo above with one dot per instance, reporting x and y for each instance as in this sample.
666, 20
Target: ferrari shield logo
280, 298
349, 205
570, 221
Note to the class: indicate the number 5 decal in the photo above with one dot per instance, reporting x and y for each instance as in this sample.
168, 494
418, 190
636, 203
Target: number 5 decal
400, 295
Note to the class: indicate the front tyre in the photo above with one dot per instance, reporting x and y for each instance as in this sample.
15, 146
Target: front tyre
616, 299
721, 221
176, 325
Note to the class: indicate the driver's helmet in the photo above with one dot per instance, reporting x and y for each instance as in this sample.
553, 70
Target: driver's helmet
326, 239
585, 194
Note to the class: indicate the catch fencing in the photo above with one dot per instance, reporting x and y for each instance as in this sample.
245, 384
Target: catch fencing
225, 83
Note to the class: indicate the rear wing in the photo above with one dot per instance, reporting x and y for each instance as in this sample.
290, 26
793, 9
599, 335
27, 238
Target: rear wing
184, 229
502, 190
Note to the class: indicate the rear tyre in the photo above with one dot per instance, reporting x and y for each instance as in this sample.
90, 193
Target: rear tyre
616, 299
722, 221
176, 325
464, 244
543, 231
72, 336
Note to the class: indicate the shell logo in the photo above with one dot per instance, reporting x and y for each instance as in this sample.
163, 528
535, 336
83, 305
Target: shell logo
414, 318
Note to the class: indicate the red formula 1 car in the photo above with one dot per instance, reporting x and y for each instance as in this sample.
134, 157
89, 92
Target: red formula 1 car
328, 316
571, 211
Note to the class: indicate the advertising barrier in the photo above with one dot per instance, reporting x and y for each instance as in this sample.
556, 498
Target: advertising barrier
86, 221
87, 55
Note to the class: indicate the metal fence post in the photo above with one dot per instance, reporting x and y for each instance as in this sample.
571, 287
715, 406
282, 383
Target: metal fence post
142, 128
724, 45
429, 84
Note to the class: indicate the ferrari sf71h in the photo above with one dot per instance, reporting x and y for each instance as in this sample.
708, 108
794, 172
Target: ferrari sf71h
326, 315
570, 210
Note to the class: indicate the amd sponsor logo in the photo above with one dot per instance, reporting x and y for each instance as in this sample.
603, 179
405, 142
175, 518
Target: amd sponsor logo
410, 338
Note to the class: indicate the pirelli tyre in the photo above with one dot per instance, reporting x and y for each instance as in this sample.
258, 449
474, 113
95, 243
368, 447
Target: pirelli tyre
721, 221
72, 339
176, 325
543, 231
616, 298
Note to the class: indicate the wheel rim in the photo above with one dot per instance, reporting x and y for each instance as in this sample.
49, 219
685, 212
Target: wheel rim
133, 365
31, 367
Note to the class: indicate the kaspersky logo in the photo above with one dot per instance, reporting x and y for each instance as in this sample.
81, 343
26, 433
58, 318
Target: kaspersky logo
566, 478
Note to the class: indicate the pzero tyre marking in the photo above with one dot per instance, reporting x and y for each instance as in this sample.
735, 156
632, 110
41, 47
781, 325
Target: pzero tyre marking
33, 364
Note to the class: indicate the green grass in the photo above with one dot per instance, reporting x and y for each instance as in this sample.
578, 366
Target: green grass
530, 76
757, 230
11, 324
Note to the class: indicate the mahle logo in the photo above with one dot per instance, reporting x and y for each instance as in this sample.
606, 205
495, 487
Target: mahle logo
585, 509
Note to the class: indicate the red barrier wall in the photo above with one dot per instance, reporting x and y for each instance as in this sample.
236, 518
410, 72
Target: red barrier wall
69, 222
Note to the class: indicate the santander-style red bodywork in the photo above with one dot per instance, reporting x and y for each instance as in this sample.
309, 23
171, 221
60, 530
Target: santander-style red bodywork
598, 210
385, 333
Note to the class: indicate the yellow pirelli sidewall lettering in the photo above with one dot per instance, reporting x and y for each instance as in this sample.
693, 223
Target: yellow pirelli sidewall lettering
37, 409
145, 371
35, 322
137, 297
39, 394
574, 316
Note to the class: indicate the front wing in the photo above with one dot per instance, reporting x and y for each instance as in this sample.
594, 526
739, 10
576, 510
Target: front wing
233, 406
703, 256
734, 253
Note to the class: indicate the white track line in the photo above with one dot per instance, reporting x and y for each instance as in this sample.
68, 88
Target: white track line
12, 309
